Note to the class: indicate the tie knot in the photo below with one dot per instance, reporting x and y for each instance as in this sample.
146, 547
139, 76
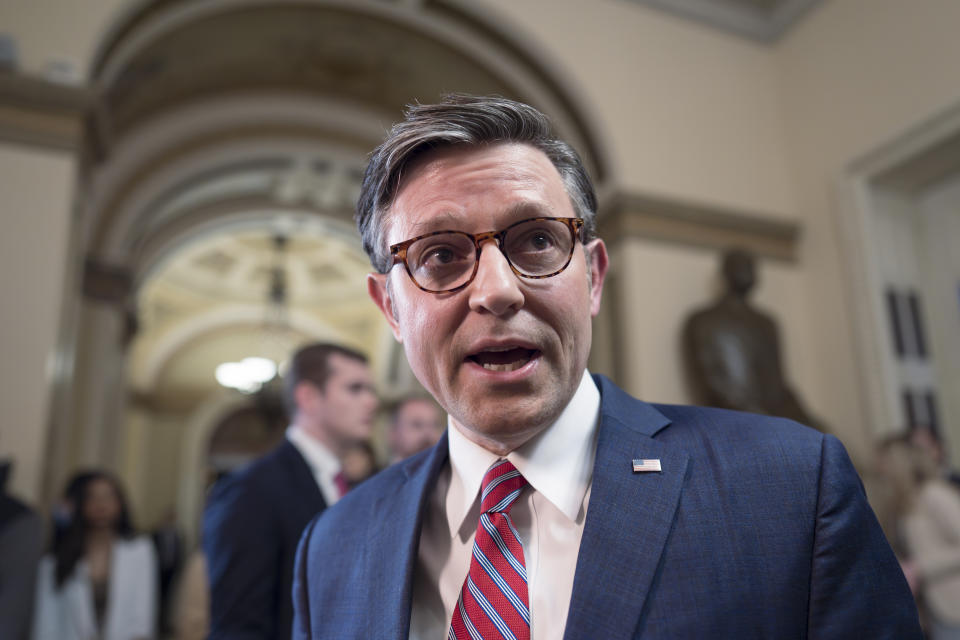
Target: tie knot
501, 485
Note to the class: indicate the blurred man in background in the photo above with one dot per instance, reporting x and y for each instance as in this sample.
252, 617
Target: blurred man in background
415, 425
254, 517
21, 542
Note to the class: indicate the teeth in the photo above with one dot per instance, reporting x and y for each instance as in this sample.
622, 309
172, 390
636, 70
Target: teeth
512, 366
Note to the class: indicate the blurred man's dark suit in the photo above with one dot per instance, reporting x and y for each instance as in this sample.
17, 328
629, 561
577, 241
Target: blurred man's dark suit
252, 524
21, 542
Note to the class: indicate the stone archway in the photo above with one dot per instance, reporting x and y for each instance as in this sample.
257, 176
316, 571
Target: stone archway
203, 423
213, 115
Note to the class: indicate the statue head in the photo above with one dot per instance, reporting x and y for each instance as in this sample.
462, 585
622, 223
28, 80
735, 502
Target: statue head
739, 271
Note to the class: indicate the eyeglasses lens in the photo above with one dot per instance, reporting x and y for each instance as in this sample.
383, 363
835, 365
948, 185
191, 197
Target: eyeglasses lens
446, 261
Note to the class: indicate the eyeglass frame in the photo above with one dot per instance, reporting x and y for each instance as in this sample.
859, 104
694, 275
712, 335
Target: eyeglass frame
399, 250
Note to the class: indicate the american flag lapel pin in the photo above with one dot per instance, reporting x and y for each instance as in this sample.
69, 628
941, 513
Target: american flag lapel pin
646, 466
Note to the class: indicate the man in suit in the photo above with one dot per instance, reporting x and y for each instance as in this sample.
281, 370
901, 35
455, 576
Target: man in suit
556, 505
21, 542
254, 517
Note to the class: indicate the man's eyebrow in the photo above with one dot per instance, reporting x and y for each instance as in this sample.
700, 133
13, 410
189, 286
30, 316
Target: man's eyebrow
530, 209
442, 220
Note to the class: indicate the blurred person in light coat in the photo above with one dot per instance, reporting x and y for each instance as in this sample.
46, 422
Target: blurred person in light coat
929, 528
101, 580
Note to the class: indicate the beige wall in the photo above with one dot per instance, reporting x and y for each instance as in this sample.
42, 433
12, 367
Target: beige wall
33, 246
36, 188
688, 111
938, 233
854, 75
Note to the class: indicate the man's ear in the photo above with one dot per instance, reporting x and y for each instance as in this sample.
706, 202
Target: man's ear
304, 395
380, 294
599, 263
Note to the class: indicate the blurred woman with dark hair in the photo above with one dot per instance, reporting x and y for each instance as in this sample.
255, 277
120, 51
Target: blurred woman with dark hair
101, 580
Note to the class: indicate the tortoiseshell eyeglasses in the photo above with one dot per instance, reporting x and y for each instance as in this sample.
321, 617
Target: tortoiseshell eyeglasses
445, 261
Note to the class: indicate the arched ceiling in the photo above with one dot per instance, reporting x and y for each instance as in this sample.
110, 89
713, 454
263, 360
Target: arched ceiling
382, 55
237, 266
316, 49
208, 303
217, 122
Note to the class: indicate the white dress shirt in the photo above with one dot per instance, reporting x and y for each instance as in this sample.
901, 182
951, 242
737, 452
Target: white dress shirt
324, 465
549, 516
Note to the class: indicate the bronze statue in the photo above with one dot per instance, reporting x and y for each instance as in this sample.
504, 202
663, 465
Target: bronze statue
732, 351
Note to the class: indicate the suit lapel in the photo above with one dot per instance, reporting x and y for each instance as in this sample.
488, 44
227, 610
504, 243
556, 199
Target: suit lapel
309, 498
392, 550
628, 519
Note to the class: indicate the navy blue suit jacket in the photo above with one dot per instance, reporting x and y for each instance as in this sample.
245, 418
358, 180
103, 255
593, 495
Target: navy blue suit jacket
252, 523
756, 528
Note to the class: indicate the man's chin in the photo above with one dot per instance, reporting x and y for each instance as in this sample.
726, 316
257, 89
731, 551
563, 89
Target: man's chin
497, 430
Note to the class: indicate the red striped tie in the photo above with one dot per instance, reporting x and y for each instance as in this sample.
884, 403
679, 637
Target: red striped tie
493, 601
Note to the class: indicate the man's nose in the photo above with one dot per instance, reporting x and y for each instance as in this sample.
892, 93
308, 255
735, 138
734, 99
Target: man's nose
496, 288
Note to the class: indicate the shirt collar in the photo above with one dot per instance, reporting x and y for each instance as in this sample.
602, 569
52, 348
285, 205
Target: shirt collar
320, 459
557, 463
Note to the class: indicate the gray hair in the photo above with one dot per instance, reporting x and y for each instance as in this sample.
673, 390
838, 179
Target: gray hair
461, 119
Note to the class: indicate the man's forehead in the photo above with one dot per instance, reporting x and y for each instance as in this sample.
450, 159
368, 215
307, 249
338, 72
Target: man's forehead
344, 365
455, 152
509, 162
455, 220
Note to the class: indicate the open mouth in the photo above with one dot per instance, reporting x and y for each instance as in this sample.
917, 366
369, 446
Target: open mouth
505, 359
